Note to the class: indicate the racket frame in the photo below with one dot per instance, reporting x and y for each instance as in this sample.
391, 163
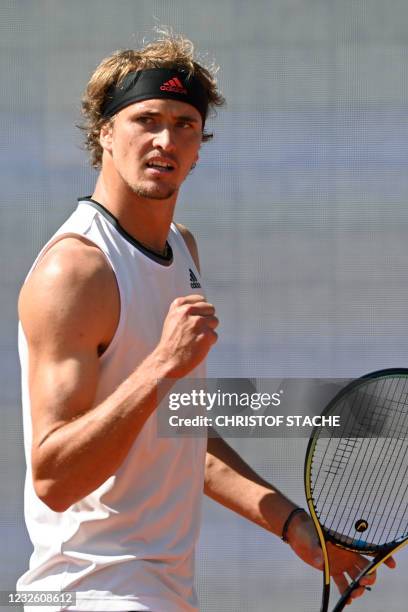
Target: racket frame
322, 534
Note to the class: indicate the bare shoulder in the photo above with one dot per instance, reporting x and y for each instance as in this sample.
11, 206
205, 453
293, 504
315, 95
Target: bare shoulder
190, 242
71, 291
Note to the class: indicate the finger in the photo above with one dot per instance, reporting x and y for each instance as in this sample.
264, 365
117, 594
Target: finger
212, 322
203, 309
390, 562
182, 300
340, 582
191, 298
369, 579
355, 570
358, 592
214, 336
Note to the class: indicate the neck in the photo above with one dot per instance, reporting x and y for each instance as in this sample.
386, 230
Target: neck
147, 220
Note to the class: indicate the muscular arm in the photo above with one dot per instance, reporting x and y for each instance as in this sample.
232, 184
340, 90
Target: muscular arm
69, 309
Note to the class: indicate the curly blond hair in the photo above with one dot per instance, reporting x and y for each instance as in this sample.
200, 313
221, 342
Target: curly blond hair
169, 51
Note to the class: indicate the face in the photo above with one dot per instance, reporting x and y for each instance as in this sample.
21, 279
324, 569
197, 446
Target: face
153, 145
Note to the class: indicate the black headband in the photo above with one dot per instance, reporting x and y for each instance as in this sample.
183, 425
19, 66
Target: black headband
157, 83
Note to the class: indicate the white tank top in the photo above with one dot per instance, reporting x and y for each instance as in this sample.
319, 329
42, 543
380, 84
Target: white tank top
129, 545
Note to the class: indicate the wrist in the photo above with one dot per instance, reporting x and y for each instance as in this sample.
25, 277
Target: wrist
296, 516
162, 364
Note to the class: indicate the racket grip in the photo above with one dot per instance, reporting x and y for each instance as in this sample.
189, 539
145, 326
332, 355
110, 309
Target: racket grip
341, 604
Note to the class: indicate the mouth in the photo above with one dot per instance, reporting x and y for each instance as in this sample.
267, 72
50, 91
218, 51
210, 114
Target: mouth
159, 166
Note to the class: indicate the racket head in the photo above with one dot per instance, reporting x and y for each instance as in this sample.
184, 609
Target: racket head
356, 476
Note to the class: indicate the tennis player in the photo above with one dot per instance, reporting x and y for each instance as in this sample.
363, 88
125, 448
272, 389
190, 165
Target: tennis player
113, 303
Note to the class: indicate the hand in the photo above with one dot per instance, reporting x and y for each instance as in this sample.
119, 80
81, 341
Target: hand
188, 334
303, 540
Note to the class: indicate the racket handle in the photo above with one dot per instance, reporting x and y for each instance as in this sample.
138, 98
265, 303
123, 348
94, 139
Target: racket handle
325, 598
341, 604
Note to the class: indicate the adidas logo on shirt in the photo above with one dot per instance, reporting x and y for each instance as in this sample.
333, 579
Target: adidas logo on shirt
194, 282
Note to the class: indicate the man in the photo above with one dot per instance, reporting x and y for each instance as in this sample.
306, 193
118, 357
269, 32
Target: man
106, 311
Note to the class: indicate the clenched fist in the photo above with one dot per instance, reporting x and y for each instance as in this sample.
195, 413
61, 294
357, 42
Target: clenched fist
188, 334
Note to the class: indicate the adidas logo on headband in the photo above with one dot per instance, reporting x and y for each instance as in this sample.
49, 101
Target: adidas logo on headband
174, 85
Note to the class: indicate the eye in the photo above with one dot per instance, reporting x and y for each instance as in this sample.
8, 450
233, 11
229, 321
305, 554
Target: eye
144, 119
185, 124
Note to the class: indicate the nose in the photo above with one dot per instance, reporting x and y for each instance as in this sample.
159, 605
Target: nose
164, 139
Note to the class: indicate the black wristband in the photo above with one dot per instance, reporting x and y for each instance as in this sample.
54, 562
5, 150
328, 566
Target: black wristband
294, 512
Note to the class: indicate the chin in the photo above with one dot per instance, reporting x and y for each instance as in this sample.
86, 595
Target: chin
154, 192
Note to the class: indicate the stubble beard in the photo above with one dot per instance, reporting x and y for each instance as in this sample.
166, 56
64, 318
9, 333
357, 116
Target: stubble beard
153, 193
151, 190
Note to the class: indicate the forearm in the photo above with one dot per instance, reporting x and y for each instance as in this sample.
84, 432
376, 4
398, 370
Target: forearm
231, 482
77, 457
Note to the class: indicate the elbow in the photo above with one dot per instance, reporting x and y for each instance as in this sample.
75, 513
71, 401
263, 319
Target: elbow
47, 484
48, 493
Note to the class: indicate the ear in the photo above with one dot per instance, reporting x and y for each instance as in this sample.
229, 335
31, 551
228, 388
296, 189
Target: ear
105, 136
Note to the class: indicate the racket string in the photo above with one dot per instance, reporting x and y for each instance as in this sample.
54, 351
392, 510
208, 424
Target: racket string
377, 489
380, 449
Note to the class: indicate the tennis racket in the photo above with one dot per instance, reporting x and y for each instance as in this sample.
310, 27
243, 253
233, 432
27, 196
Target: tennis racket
356, 475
